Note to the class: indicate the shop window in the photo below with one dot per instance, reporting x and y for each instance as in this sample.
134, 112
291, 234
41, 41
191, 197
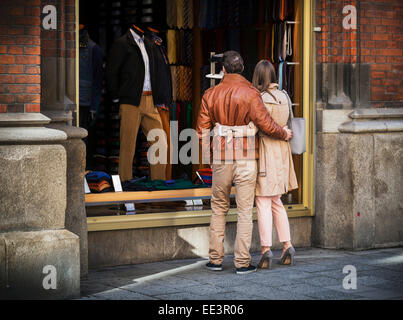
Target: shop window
271, 30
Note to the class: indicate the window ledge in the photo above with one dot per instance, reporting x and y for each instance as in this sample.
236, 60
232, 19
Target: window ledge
181, 218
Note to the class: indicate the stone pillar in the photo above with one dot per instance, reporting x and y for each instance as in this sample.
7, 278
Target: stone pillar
58, 83
39, 258
359, 182
76, 217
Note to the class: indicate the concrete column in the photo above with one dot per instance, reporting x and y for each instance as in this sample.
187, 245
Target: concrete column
359, 179
39, 258
76, 218
58, 84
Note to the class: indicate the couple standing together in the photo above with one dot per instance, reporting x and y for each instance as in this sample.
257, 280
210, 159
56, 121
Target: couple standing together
236, 109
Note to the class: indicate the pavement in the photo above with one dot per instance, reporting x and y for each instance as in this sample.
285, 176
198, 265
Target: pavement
316, 275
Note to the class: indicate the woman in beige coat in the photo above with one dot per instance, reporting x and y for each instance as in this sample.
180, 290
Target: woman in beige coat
276, 174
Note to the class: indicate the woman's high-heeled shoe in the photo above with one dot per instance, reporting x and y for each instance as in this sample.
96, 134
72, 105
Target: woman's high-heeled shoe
266, 260
288, 257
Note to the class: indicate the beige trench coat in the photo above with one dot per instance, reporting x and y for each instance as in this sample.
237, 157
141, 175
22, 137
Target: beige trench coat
276, 174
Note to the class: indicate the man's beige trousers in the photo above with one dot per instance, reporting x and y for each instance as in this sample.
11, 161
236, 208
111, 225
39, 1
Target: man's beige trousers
146, 115
243, 174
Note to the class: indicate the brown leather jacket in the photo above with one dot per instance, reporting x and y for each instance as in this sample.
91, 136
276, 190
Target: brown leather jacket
234, 102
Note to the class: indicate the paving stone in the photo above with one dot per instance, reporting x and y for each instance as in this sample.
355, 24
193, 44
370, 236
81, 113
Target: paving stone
380, 294
322, 282
370, 281
91, 298
335, 274
383, 273
91, 287
278, 294
360, 288
205, 290
232, 296
318, 267
389, 285
119, 294
268, 292
318, 274
332, 295
152, 289
224, 282
180, 296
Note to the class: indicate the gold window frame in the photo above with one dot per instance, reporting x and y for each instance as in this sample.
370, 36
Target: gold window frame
186, 218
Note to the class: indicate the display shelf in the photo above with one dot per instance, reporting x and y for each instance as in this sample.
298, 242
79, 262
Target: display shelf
96, 199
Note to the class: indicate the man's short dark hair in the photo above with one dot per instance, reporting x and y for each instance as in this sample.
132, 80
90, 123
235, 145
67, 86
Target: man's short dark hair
232, 62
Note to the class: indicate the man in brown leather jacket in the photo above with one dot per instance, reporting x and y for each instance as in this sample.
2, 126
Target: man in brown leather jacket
234, 102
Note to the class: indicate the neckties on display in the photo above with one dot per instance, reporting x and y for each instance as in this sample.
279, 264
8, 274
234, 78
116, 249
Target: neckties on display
188, 45
188, 14
178, 83
171, 13
178, 44
174, 83
280, 75
289, 40
179, 13
283, 34
187, 84
171, 44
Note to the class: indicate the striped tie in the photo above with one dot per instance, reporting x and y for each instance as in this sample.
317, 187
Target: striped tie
179, 13
171, 13
171, 44
188, 57
178, 83
186, 85
174, 83
190, 18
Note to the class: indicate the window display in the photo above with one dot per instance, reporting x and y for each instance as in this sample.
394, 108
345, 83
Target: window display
156, 58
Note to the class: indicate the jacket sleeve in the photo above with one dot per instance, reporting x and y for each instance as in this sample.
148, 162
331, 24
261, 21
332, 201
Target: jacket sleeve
114, 63
204, 122
203, 127
261, 118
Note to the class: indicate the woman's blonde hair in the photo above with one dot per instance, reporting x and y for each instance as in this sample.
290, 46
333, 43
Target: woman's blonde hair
264, 75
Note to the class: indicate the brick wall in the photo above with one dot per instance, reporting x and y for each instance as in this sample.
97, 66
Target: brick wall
60, 42
20, 56
378, 42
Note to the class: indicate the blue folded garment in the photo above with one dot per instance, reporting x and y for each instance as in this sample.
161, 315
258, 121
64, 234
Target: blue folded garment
97, 175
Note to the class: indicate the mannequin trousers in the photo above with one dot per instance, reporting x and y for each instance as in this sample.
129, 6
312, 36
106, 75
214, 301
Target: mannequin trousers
132, 117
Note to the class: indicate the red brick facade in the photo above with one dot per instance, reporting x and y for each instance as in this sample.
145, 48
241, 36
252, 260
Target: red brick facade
23, 42
377, 41
60, 42
20, 56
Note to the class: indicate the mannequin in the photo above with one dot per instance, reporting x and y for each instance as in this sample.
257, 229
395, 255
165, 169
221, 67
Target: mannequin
165, 91
91, 76
132, 80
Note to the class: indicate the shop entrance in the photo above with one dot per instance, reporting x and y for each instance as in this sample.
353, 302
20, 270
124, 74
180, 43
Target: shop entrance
189, 34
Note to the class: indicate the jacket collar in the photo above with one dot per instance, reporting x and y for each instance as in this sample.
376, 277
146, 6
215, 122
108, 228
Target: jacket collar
136, 37
234, 77
147, 43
